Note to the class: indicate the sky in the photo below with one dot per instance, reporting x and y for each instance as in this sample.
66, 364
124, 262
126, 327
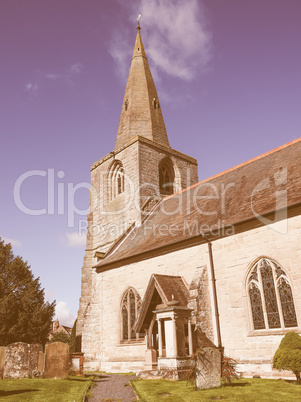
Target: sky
228, 76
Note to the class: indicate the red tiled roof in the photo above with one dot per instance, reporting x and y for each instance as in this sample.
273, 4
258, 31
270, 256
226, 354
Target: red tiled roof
173, 288
268, 183
170, 288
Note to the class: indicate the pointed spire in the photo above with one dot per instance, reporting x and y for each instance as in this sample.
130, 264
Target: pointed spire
141, 112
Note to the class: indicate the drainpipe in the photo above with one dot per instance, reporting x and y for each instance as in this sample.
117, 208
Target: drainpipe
218, 329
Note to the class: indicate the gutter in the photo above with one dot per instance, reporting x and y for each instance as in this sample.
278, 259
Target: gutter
213, 280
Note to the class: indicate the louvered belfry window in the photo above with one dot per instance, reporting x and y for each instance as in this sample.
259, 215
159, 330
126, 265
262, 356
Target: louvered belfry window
166, 177
116, 180
270, 296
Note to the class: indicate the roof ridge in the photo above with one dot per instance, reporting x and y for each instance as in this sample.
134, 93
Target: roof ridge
236, 167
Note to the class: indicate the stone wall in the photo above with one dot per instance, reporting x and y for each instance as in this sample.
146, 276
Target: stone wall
232, 258
108, 219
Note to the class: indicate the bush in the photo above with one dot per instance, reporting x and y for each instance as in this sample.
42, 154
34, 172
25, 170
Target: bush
288, 355
60, 337
229, 371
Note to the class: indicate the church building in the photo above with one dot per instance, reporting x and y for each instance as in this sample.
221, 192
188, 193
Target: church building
173, 264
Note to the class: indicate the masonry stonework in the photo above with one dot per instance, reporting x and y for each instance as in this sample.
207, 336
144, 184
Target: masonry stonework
126, 244
248, 347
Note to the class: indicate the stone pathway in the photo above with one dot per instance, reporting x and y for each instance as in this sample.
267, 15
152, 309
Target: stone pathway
113, 388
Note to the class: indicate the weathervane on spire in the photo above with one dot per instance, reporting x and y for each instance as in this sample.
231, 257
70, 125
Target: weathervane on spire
138, 26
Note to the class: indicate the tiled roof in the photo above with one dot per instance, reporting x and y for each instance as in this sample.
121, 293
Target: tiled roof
169, 288
173, 288
268, 183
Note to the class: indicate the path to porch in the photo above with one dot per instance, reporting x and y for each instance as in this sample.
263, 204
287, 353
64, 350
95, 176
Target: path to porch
113, 387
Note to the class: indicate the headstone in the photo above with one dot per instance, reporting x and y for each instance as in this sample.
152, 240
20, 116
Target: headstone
209, 368
75, 364
56, 360
150, 359
41, 361
2, 360
21, 360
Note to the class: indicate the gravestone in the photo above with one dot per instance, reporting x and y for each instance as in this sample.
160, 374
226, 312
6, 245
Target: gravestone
209, 366
21, 360
41, 361
2, 360
56, 360
77, 363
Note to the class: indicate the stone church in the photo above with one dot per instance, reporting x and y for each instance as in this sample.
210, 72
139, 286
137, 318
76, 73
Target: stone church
173, 264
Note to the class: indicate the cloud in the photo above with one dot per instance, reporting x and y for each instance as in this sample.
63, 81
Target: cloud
76, 68
177, 37
49, 295
13, 242
120, 49
64, 314
74, 239
66, 76
52, 76
32, 88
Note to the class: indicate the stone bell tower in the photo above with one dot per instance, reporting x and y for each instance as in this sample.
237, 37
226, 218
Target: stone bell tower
127, 182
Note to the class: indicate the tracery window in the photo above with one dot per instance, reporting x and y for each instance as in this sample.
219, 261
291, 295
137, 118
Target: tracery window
166, 177
116, 180
130, 306
270, 296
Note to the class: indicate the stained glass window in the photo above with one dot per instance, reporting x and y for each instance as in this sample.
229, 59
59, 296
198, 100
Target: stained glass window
130, 307
287, 303
125, 333
270, 296
256, 306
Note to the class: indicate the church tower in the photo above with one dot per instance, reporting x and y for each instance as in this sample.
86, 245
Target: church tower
128, 182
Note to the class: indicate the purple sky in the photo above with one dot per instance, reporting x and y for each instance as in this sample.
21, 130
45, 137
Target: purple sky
228, 75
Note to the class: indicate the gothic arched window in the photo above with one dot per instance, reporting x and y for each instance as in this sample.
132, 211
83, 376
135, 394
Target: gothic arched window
270, 296
116, 179
166, 177
130, 306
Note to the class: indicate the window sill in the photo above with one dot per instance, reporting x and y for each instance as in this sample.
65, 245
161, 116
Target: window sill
274, 331
131, 342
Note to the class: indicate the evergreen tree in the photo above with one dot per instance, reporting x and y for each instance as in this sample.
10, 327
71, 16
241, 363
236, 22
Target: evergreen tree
25, 316
73, 338
288, 355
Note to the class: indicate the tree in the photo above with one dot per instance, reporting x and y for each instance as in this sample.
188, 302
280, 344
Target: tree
288, 355
75, 340
60, 336
25, 316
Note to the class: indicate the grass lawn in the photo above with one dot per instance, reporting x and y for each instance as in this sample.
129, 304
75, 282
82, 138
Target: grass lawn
38, 389
241, 390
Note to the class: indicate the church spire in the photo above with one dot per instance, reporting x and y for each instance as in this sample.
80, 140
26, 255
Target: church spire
141, 112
